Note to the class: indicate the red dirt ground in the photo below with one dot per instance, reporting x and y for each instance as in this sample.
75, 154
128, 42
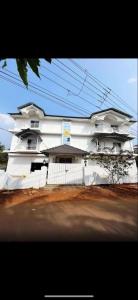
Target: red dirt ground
70, 213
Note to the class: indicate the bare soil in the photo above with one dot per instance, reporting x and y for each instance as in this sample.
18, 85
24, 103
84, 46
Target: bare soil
70, 213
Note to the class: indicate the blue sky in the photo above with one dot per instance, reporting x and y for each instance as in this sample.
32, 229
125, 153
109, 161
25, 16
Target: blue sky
118, 74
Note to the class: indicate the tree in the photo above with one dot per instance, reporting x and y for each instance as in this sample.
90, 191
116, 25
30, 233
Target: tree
3, 156
2, 147
22, 66
116, 166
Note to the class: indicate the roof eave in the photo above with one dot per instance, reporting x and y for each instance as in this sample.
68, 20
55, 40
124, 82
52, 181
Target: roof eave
114, 109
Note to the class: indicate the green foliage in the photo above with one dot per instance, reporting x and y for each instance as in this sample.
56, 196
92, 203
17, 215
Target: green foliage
2, 147
116, 166
34, 64
3, 156
4, 64
22, 67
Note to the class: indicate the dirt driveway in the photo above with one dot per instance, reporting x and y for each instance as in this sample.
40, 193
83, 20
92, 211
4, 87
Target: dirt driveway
70, 213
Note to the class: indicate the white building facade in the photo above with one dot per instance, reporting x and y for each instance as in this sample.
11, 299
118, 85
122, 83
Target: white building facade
64, 144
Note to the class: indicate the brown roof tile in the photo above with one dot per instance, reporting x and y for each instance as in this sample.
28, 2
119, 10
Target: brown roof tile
65, 149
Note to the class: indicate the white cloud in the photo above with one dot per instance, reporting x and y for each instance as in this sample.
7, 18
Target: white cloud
6, 120
132, 80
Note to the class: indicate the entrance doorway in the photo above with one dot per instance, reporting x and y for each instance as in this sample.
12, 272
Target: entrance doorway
63, 160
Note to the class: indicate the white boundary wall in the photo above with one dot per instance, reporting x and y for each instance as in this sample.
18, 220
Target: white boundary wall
90, 175
35, 179
94, 175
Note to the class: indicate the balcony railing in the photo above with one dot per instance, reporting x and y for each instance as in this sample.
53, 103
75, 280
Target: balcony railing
24, 147
109, 130
17, 129
113, 150
31, 148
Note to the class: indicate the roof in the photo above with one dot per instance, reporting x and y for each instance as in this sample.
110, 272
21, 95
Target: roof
26, 132
24, 152
56, 116
31, 103
132, 121
65, 149
113, 135
87, 117
114, 109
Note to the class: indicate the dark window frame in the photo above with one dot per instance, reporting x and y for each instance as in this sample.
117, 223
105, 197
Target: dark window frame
34, 122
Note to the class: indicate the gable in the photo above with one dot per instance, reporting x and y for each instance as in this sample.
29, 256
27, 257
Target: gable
31, 110
111, 111
110, 116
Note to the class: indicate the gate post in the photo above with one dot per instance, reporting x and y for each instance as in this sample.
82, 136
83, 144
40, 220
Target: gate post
83, 172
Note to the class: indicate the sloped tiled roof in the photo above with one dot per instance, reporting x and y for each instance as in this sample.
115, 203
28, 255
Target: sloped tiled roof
114, 135
65, 149
26, 132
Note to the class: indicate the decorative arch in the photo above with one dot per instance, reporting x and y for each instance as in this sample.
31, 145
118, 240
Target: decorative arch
110, 117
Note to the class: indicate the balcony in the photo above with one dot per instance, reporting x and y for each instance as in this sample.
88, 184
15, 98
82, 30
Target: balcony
102, 129
112, 151
30, 145
22, 128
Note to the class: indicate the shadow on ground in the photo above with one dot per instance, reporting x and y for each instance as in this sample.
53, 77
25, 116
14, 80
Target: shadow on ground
70, 214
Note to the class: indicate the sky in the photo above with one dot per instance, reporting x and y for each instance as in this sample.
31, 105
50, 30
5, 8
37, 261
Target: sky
120, 75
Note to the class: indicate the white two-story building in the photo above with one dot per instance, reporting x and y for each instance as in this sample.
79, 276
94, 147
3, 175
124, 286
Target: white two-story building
64, 143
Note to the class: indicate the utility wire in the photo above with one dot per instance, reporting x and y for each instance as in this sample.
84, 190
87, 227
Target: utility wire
5, 129
81, 89
59, 99
105, 87
78, 75
83, 109
111, 100
30, 90
75, 78
68, 90
60, 86
42, 66
17, 84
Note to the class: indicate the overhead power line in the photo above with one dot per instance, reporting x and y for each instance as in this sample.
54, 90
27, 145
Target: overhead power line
56, 94
78, 75
53, 95
109, 100
105, 87
69, 82
31, 90
68, 90
5, 129
75, 79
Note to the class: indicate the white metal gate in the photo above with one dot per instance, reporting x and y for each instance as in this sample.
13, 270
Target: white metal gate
59, 173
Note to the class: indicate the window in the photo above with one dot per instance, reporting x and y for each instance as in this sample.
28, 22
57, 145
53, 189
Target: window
34, 124
31, 144
114, 127
65, 160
